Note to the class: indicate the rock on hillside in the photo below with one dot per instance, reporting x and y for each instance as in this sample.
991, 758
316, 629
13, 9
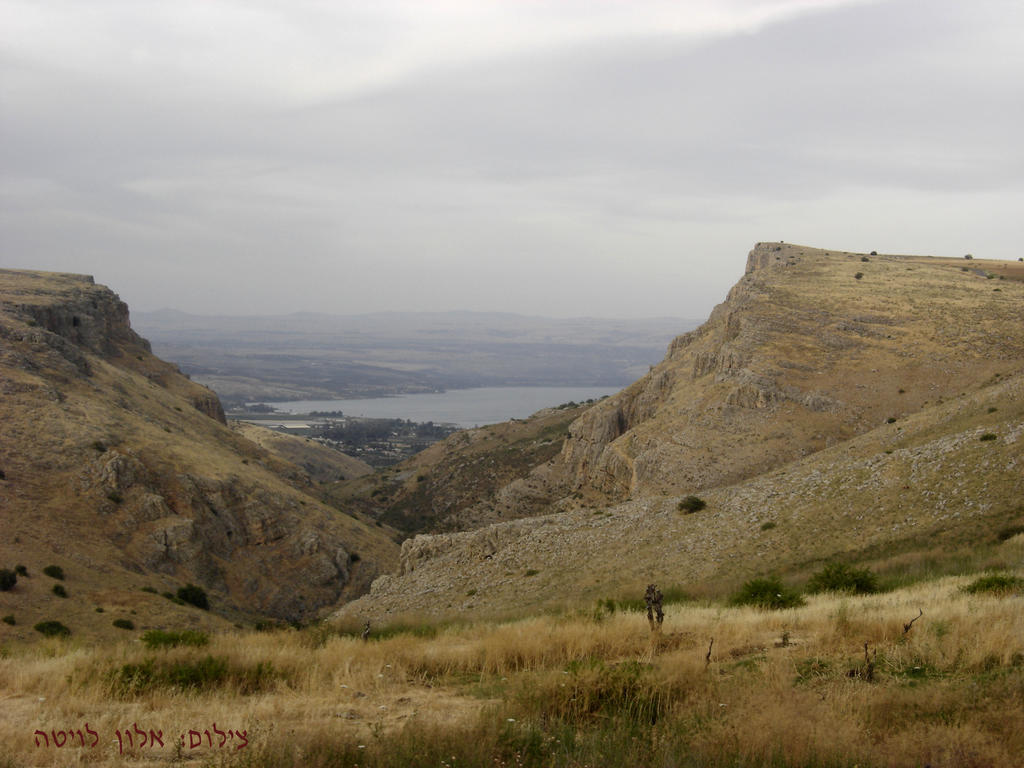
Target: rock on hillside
122, 471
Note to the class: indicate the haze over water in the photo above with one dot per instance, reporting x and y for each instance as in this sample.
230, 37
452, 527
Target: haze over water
464, 407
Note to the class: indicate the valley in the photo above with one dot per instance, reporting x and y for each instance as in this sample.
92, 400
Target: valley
480, 602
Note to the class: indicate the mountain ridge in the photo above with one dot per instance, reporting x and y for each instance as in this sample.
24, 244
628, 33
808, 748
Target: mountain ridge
123, 472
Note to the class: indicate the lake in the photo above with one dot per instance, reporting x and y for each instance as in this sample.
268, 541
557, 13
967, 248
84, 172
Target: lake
464, 407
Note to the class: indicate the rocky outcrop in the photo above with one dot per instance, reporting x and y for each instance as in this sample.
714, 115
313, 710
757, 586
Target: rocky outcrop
109, 458
781, 364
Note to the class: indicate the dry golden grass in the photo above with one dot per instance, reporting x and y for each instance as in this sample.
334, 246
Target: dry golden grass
776, 690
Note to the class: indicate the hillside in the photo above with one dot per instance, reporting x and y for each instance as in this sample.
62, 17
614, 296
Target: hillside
818, 414
458, 483
323, 464
121, 471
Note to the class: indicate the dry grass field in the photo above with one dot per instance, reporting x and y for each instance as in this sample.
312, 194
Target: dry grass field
589, 687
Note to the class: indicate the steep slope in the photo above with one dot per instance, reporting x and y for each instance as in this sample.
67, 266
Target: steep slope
846, 414
810, 348
323, 464
461, 482
121, 471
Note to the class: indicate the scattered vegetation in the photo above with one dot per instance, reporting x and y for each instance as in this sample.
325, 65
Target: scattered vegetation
766, 593
995, 584
194, 595
54, 571
691, 504
1009, 532
52, 629
159, 638
838, 577
203, 674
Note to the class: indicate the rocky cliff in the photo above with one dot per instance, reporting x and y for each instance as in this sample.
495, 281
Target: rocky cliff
834, 403
121, 470
810, 348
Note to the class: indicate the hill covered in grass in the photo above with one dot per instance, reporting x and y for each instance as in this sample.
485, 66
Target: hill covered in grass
853, 405
120, 471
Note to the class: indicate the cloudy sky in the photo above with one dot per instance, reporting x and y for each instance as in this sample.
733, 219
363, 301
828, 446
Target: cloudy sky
556, 157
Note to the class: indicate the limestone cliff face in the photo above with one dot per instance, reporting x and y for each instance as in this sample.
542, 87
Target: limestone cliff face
119, 468
74, 317
809, 348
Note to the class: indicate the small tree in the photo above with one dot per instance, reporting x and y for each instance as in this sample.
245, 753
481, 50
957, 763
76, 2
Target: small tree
8, 579
767, 593
691, 504
837, 577
194, 595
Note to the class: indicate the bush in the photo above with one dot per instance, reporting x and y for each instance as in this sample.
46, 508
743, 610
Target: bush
124, 624
54, 571
9, 619
158, 638
767, 526
194, 595
995, 584
207, 673
148, 589
858, 276
8, 579
766, 593
52, 629
837, 577
987, 436
59, 591
21, 570
1009, 532
691, 504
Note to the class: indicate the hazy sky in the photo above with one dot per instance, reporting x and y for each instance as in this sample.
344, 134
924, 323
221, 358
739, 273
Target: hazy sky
555, 157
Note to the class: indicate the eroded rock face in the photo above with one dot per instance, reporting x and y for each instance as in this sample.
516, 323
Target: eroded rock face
104, 460
800, 354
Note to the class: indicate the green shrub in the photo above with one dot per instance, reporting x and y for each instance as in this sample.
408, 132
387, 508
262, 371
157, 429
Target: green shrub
54, 571
531, 572
170, 596
52, 629
837, 577
691, 504
987, 436
21, 570
995, 584
858, 276
766, 593
115, 497
148, 589
59, 591
207, 673
767, 526
194, 595
9, 619
159, 638
124, 624
1009, 532
8, 579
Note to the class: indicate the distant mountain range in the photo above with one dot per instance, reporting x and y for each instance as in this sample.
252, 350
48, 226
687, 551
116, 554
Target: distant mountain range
322, 356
